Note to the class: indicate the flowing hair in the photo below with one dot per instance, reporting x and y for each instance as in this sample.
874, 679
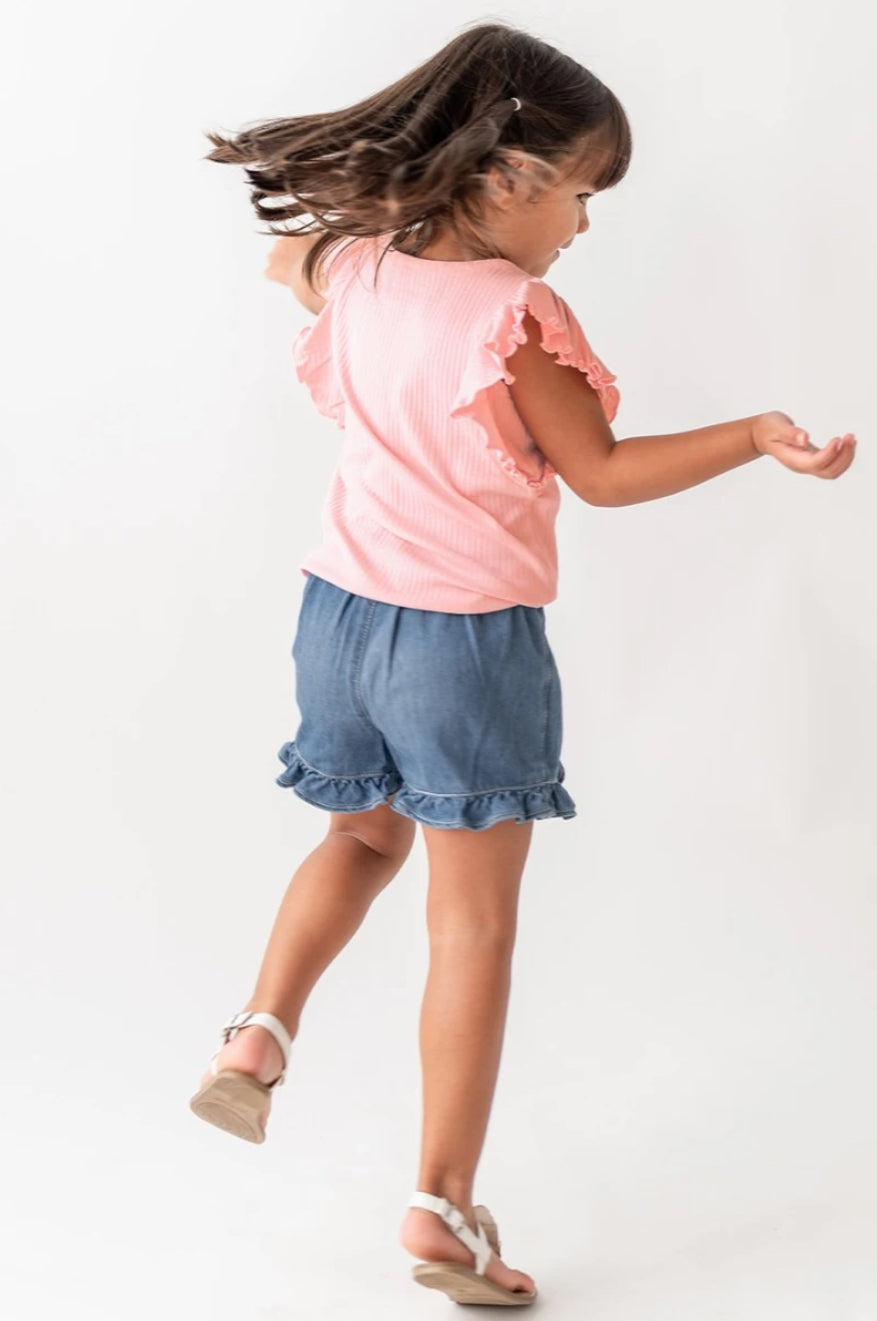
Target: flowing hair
412, 160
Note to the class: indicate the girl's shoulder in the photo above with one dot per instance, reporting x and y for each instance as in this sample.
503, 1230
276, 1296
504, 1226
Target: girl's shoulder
483, 303
560, 333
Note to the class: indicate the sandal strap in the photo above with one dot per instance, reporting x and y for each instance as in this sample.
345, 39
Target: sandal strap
456, 1221
250, 1018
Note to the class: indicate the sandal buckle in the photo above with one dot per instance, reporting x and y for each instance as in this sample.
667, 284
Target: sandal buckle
236, 1021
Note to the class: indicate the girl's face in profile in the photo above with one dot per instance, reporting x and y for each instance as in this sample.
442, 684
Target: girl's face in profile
532, 231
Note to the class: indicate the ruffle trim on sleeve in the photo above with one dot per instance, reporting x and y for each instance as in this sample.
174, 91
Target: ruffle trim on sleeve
561, 334
312, 348
314, 367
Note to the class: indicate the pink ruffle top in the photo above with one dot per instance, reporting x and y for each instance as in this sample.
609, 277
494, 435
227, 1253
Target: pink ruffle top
440, 499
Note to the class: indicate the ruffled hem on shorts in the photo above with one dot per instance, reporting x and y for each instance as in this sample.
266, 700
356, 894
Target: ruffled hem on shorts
336, 793
477, 811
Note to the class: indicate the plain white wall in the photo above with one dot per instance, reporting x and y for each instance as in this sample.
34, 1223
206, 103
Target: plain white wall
684, 1121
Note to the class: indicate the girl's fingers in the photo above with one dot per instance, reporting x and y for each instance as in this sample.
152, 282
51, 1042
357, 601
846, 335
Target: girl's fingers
840, 462
828, 454
815, 460
822, 462
841, 445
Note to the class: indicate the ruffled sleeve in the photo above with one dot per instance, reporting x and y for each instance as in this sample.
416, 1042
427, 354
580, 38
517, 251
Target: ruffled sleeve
315, 368
561, 334
313, 350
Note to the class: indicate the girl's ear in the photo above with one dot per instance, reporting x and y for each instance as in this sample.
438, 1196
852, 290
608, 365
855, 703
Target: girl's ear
502, 191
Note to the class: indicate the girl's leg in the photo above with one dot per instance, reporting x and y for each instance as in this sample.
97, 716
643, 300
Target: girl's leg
324, 905
474, 882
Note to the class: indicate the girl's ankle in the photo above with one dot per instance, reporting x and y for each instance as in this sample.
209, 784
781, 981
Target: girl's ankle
254, 1050
458, 1196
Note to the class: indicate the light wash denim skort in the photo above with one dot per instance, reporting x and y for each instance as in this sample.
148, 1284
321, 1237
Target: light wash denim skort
458, 715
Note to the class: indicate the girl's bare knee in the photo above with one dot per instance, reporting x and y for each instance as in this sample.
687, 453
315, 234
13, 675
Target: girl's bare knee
379, 827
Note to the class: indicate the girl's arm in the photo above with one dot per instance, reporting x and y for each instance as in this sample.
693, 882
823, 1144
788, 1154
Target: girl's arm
284, 265
648, 467
565, 417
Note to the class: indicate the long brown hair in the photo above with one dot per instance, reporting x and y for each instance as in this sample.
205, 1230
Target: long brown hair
411, 160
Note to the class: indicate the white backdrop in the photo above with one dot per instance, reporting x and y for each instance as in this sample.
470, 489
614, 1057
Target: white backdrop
684, 1122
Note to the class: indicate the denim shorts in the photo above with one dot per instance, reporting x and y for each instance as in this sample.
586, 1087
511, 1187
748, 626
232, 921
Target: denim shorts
457, 715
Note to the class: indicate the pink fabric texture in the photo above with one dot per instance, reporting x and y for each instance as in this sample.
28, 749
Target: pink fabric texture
440, 499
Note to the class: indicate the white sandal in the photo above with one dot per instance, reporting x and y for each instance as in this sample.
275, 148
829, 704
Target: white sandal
462, 1283
233, 1100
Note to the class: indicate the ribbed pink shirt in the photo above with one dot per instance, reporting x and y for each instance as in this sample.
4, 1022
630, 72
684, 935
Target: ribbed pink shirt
440, 499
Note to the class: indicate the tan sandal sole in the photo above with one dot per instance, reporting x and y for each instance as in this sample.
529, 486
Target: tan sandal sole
463, 1285
233, 1102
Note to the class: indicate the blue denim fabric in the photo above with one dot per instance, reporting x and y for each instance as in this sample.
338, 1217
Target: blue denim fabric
458, 715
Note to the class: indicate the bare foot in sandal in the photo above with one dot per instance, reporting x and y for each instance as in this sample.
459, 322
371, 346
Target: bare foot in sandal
251, 1049
424, 1234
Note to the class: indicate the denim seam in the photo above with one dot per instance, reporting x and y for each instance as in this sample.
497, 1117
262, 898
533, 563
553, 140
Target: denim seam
361, 775
546, 700
478, 793
360, 656
470, 793
543, 816
546, 692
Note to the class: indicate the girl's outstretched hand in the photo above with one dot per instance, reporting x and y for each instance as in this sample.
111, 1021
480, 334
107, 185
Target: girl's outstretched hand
776, 434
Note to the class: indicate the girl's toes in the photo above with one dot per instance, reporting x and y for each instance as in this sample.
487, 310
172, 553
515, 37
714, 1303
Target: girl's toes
507, 1278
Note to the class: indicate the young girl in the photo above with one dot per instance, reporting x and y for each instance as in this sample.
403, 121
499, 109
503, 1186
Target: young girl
426, 684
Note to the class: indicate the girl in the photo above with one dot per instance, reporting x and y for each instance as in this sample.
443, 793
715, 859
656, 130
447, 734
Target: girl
426, 684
